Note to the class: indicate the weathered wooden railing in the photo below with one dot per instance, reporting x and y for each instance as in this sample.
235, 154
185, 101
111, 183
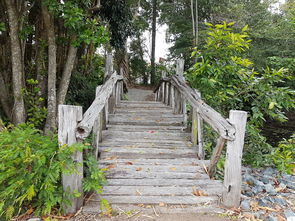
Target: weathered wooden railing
73, 127
174, 92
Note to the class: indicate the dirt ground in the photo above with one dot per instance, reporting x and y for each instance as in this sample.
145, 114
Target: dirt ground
162, 217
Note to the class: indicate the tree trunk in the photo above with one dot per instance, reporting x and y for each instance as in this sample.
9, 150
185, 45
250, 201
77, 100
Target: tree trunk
197, 25
51, 87
193, 21
18, 111
66, 75
4, 98
154, 25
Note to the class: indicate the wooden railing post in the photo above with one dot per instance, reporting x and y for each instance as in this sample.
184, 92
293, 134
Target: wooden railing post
172, 98
179, 71
68, 118
97, 128
167, 93
232, 169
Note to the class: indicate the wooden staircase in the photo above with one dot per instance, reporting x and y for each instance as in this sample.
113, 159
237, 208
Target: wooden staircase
151, 163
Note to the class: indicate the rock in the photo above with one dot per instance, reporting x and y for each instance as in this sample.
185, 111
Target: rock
290, 215
245, 205
270, 199
270, 189
283, 186
257, 189
263, 202
249, 193
280, 201
269, 171
249, 179
258, 214
271, 218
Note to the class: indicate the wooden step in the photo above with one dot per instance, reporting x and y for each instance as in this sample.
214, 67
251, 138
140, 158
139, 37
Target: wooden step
130, 156
181, 136
142, 105
148, 121
160, 190
147, 128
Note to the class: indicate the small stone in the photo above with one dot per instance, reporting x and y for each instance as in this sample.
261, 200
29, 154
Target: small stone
289, 214
283, 186
245, 205
270, 189
281, 201
257, 189
263, 202
34, 219
249, 194
271, 218
258, 214
249, 179
270, 199
269, 171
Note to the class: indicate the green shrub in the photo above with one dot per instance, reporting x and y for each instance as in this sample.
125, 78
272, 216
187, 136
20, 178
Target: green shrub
228, 81
284, 155
30, 172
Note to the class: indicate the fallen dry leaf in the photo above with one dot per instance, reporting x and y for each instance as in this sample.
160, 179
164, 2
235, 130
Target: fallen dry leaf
151, 131
199, 192
111, 166
162, 204
173, 168
129, 163
138, 169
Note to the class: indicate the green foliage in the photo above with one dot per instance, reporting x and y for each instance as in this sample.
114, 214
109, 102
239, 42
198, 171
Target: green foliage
35, 112
30, 172
283, 156
85, 80
94, 178
2, 27
226, 81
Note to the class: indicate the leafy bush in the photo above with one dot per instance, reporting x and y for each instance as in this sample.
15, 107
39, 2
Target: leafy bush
30, 172
284, 155
228, 81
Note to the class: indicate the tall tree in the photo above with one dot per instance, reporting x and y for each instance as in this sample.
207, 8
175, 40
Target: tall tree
153, 51
18, 110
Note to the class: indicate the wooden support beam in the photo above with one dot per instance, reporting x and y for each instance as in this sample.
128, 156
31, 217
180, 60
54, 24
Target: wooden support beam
212, 117
68, 118
172, 98
85, 126
167, 93
216, 155
233, 163
163, 92
97, 127
108, 67
201, 152
180, 67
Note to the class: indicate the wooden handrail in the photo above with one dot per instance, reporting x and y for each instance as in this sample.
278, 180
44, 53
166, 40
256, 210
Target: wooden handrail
212, 117
85, 126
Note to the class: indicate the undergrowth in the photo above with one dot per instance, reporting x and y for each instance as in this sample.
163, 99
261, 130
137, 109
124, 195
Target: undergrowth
31, 165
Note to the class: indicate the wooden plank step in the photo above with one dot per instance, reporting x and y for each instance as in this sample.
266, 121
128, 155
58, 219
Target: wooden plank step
132, 150
130, 166
142, 105
171, 129
184, 200
160, 190
128, 174
145, 115
169, 162
183, 142
162, 182
148, 155
140, 102
143, 110
181, 136
151, 121
208, 208
134, 144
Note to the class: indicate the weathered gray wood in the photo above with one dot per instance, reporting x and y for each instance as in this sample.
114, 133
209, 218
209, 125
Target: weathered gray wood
153, 168
153, 175
141, 105
194, 129
212, 117
163, 91
112, 101
108, 66
127, 155
184, 200
97, 127
180, 67
161, 182
201, 152
216, 155
158, 191
184, 111
232, 169
167, 90
68, 118
85, 126
133, 150
179, 161
172, 98
172, 129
